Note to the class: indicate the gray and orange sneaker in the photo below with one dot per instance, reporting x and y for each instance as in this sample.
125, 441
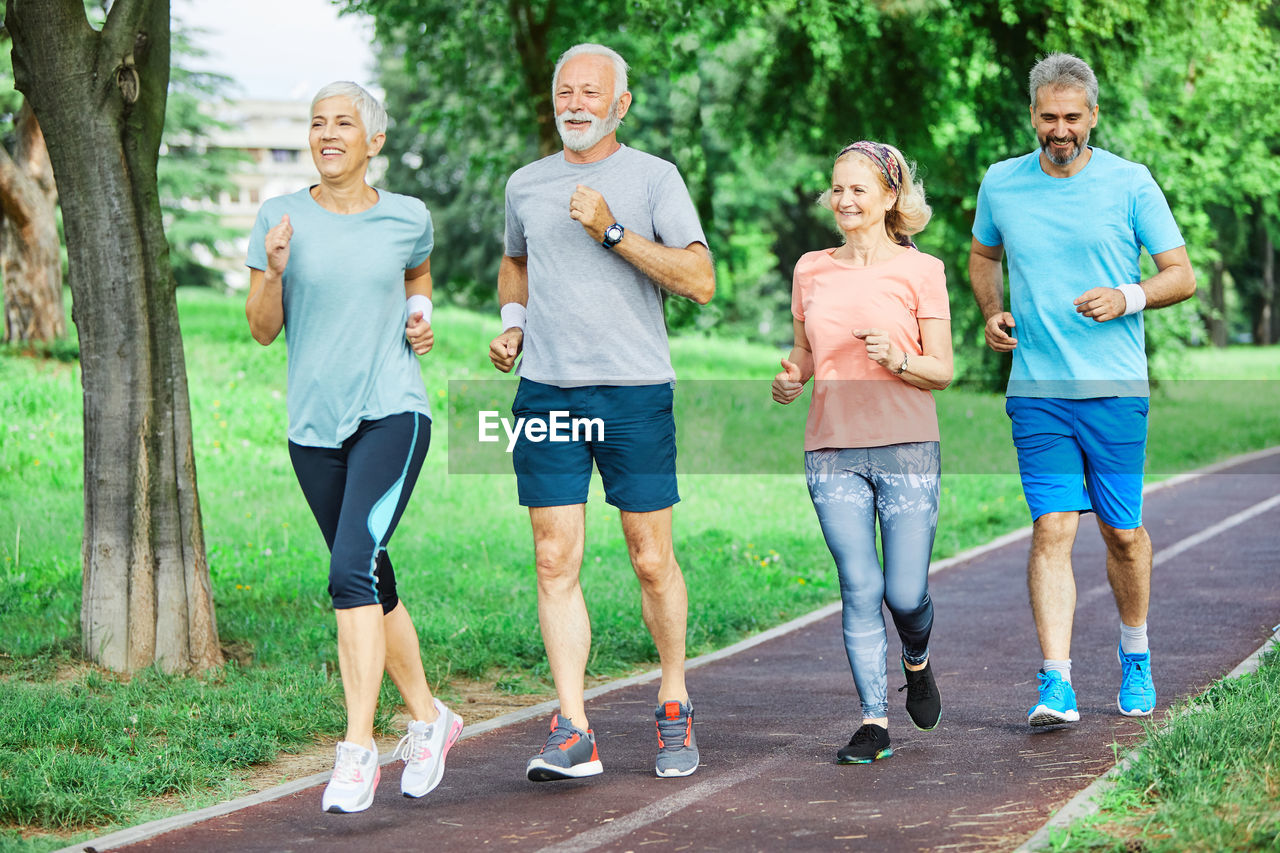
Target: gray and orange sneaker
569, 753
677, 747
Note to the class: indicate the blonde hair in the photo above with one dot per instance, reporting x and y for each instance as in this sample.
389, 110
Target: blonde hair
910, 212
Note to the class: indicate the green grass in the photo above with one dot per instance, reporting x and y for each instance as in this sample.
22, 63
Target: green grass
1207, 778
748, 542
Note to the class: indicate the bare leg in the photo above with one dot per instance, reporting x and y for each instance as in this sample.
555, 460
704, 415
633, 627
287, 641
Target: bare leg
362, 653
559, 533
404, 664
1052, 583
1129, 571
664, 601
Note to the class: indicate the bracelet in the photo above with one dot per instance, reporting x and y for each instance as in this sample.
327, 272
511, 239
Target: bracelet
417, 303
902, 368
513, 315
1135, 298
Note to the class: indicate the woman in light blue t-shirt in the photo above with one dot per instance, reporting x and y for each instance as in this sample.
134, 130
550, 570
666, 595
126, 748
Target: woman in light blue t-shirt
346, 269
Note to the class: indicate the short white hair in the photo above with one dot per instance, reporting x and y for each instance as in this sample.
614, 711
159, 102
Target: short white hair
589, 49
371, 111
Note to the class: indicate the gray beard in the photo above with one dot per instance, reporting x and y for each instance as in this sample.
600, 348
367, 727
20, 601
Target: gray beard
1068, 159
581, 140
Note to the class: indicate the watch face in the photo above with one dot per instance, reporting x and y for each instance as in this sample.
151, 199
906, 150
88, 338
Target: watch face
613, 233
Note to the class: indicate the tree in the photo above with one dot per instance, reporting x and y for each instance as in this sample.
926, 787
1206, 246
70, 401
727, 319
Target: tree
30, 255
100, 96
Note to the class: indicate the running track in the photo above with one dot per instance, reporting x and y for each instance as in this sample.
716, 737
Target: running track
770, 719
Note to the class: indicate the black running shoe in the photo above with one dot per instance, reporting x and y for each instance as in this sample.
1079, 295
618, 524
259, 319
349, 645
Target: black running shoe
924, 705
868, 744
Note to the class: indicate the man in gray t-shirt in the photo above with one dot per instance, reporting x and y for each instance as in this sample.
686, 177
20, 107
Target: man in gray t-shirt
594, 234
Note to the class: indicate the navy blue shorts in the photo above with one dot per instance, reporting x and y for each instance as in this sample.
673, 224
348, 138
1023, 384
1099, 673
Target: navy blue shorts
628, 430
357, 493
1082, 455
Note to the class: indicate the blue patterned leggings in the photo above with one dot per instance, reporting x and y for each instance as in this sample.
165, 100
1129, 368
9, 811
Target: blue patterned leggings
852, 488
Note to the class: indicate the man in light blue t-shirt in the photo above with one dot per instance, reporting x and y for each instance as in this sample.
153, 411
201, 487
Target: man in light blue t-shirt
1073, 221
596, 235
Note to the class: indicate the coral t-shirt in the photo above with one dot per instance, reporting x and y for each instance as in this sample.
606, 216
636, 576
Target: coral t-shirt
856, 402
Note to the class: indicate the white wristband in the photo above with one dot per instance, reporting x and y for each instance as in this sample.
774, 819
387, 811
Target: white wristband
1135, 298
513, 315
417, 303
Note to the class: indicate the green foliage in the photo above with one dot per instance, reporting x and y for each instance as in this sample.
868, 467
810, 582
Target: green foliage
752, 98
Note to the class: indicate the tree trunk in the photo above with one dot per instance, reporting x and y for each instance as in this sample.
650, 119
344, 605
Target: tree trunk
29, 257
1218, 304
536, 67
100, 97
1265, 327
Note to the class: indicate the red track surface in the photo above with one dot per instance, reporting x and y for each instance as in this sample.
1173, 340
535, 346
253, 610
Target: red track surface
770, 720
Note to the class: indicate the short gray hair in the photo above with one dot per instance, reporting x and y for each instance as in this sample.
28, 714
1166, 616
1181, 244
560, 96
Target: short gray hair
1058, 70
589, 49
371, 111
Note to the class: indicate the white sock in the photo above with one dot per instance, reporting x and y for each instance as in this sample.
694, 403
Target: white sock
1133, 641
1062, 667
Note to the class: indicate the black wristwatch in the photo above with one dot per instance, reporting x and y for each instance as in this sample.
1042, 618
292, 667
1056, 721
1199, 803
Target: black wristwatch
612, 236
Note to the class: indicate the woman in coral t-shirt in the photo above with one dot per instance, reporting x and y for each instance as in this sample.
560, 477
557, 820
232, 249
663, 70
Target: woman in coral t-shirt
873, 330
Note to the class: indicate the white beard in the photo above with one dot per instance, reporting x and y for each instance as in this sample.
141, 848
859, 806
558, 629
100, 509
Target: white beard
581, 140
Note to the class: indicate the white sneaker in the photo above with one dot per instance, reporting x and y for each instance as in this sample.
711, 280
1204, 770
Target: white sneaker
355, 776
423, 750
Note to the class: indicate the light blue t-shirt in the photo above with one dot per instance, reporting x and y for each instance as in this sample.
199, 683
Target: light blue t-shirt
1063, 236
594, 319
344, 311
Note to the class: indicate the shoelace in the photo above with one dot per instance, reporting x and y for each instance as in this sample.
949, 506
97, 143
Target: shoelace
414, 746
864, 735
671, 732
917, 689
559, 735
1051, 688
349, 767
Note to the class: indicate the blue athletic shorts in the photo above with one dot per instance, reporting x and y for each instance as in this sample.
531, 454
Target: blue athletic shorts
628, 430
1082, 455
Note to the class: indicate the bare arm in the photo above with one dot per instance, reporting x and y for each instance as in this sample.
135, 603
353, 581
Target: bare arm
264, 306
417, 329
686, 271
986, 277
1173, 282
513, 286
797, 367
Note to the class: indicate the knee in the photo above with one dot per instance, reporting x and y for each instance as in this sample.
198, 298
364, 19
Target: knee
654, 566
1054, 532
1126, 544
557, 563
904, 604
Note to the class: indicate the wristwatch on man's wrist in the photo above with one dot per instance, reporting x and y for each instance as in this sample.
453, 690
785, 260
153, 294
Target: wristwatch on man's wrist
901, 367
612, 236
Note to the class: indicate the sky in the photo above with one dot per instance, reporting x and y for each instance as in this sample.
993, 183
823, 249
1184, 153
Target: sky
278, 49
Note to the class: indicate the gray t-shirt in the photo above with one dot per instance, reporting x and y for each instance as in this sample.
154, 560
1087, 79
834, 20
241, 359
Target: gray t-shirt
344, 311
593, 318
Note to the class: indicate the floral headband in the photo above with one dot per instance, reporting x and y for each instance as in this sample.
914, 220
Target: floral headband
882, 157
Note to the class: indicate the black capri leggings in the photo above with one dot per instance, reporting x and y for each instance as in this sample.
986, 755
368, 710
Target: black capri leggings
357, 492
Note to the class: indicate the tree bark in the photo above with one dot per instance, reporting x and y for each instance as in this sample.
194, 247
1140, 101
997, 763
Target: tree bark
1218, 304
1264, 330
536, 67
100, 97
29, 258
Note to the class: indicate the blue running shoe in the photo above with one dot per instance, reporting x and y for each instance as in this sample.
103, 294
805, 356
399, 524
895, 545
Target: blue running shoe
1137, 696
1057, 702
